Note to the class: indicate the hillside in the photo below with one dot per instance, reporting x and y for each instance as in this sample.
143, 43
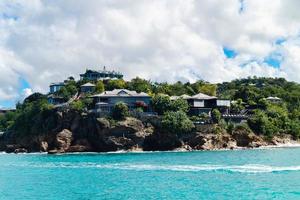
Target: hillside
36, 123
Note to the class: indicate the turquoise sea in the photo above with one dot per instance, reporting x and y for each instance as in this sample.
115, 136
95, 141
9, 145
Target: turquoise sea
239, 174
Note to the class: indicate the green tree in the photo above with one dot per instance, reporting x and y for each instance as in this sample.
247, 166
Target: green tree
120, 111
260, 123
139, 85
115, 84
216, 116
77, 105
161, 103
179, 105
177, 122
209, 89
99, 87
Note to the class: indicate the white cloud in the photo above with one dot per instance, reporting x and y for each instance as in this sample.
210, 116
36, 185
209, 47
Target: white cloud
44, 41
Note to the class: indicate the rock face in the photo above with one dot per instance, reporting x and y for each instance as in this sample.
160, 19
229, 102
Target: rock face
244, 138
124, 135
80, 132
64, 139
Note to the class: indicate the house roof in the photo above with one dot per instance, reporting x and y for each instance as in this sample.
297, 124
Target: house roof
57, 84
273, 98
122, 93
184, 96
88, 85
202, 96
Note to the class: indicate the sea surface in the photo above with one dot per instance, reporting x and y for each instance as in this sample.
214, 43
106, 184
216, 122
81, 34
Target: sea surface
238, 174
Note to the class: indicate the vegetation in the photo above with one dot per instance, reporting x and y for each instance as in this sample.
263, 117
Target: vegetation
247, 94
216, 116
120, 111
99, 87
68, 91
177, 122
162, 103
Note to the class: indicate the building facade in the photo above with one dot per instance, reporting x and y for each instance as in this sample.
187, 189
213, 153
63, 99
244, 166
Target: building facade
105, 102
202, 103
94, 75
54, 87
87, 88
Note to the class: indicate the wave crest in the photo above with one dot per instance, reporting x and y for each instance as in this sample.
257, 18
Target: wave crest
249, 168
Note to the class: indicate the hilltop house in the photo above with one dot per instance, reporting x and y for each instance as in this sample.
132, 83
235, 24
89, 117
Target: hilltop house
94, 75
3, 111
273, 99
105, 101
202, 103
54, 87
87, 88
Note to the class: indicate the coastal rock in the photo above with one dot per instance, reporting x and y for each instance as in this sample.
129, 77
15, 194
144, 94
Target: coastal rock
244, 138
10, 148
20, 150
44, 146
212, 141
128, 126
279, 140
119, 143
63, 140
81, 145
103, 123
162, 141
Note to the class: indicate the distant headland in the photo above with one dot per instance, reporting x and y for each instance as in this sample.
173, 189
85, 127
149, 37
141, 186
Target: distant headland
102, 112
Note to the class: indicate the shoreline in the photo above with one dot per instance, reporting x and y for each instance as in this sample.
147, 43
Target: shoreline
267, 147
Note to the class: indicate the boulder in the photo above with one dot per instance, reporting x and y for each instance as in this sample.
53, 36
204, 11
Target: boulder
244, 138
128, 127
162, 141
20, 150
63, 140
44, 146
81, 145
103, 123
10, 148
212, 141
119, 143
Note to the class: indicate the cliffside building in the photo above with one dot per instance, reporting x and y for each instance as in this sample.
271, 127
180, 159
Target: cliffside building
87, 88
94, 75
105, 101
202, 103
54, 87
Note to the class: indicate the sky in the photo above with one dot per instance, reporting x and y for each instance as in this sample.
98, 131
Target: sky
160, 40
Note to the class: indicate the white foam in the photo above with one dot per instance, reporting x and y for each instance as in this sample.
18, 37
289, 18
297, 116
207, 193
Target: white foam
248, 168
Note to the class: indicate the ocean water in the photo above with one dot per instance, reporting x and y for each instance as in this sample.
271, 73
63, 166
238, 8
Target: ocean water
239, 174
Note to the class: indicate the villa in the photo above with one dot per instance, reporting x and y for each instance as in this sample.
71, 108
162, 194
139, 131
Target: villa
105, 101
202, 103
87, 88
54, 87
273, 99
94, 75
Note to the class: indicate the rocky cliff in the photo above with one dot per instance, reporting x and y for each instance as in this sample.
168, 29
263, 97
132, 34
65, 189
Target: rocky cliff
80, 132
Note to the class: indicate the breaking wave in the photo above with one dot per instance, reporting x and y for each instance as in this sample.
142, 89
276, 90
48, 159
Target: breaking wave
249, 168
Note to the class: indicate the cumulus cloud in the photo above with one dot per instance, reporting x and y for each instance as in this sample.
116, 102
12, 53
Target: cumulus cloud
44, 41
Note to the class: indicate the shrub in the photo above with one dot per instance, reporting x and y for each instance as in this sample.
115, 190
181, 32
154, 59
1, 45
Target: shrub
99, 87
177, 122
230, 127
120, 111
179, 105
216, 116
161, 103
261, 124
77, 105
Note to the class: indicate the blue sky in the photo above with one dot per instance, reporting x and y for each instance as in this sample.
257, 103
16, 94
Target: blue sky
47, 41
23, 84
